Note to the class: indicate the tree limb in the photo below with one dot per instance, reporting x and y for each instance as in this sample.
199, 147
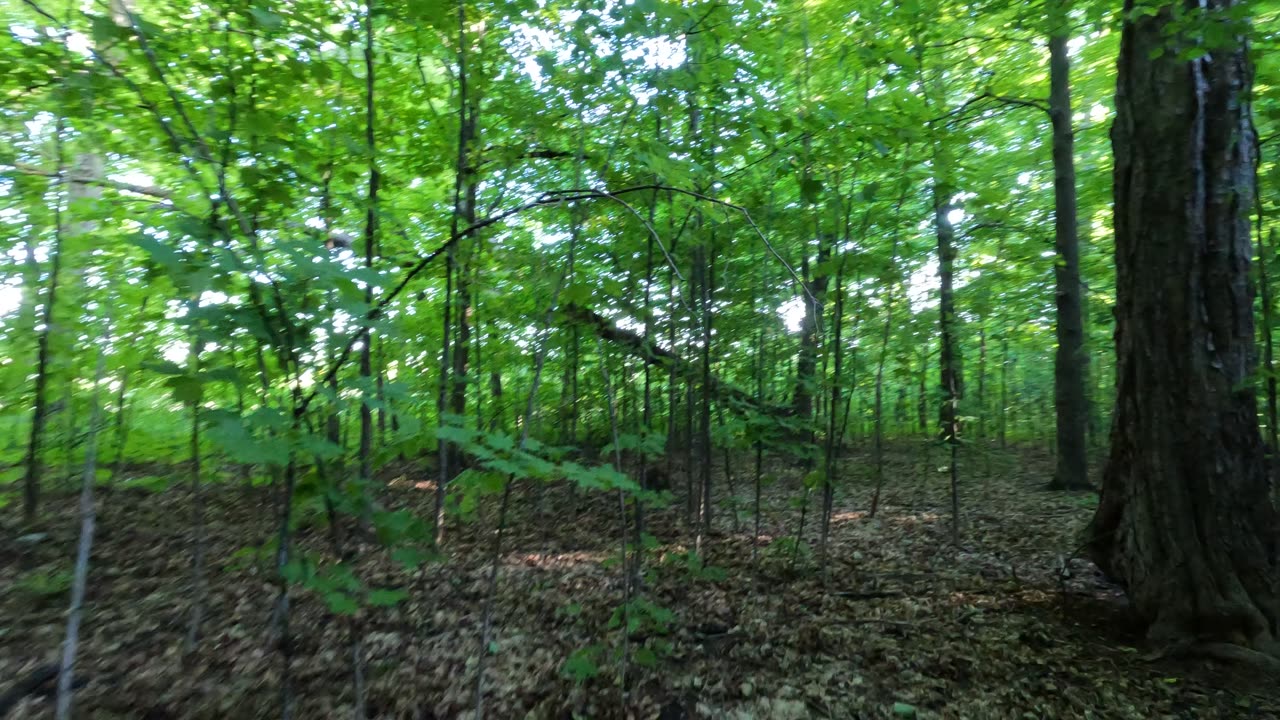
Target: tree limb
148, 190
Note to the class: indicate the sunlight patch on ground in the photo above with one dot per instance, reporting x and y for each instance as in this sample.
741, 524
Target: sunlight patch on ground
404, 482
914, 519
848, 516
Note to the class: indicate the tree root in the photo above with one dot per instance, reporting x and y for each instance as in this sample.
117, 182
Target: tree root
1222, 652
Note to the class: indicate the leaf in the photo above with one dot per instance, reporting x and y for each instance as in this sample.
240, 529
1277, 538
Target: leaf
409, 557
581, 665
644, 657
266, 18
386, 597
164, 367
810, 189
186, 389
902, 709
341, 603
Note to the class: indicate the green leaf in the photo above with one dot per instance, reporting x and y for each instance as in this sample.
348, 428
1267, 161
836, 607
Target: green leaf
341, 603
164, 367
186, 389
810, 189
266, 18
644, 657
386, 597
902, 709
410, 557
581, 665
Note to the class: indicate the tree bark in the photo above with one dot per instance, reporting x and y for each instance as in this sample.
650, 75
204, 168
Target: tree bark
1070, 402
948, 344
1185, 521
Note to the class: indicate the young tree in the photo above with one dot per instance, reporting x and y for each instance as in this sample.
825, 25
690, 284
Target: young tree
1185, 521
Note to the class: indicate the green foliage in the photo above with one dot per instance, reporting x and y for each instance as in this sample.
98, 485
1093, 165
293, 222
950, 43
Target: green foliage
44, 585
582, 664
337, 585
694, 567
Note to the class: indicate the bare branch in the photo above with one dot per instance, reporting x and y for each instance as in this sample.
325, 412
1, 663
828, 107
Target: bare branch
147, 190
554, 197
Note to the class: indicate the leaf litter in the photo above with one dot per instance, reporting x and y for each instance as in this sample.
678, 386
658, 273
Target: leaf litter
1010, 624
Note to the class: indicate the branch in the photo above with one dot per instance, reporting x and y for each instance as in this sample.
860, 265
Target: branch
537, 153
554, 197
653, 354
1040, 105
148, 190
987, 95
984, 39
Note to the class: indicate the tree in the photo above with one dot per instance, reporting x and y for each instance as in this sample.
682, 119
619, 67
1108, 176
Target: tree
1070, 361
1185, 521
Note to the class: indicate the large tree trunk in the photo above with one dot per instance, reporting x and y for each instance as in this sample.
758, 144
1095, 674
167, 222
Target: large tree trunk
1185, 521
1070, 361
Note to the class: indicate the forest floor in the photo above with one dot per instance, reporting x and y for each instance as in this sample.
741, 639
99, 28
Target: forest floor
906, 624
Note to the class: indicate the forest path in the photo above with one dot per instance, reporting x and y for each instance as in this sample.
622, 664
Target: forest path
905, 622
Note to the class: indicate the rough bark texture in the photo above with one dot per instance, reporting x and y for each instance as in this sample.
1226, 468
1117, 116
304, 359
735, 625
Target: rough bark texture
1070, 402
1185, 521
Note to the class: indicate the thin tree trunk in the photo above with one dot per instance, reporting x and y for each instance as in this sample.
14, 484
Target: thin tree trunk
829, 461
759, 448
80, 578
1268, 346
981, 400
454, 384
922, 395
44, 332
197, 513
625, 625
442, 399
122, 420
1268, 321
365, 456
540, 359
1004, 390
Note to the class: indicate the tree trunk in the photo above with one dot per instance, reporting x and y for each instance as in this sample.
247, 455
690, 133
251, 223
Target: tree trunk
1185, 521
1069, 362
922, 396
981, 400
80, 577
807, 358
39, 412
453, 391
949, 346
370, 248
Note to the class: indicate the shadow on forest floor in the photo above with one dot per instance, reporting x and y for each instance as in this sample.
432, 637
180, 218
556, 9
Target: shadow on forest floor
1007, 625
